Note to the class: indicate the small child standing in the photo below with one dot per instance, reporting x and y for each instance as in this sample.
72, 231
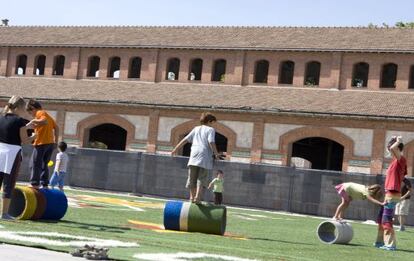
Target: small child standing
353, 191
217, 184
62, 160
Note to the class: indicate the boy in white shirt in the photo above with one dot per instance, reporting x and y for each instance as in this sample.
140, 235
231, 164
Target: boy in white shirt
61, 165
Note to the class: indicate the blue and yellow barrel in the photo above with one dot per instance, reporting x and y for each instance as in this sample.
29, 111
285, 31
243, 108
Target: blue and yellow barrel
30, 203
203, 218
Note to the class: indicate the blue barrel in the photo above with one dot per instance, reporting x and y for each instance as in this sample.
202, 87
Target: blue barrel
56, 206
203, 218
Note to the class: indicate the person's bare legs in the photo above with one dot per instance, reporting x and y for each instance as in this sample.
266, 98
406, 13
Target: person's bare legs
5, 206
198, 194
341, 208
193, 192
401, 220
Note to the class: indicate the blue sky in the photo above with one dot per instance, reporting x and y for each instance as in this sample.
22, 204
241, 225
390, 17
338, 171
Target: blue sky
207, 12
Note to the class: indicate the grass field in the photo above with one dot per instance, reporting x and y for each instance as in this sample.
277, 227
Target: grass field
254, 234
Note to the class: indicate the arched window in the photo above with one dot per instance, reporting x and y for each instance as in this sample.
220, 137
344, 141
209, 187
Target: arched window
113, 67
219, 71
39, 65
389, 75
196, 68
261, 71
93, 66
58, 65
312, 73
411, 80
360, 74
21, 63
286, 72
173, 69
135, 68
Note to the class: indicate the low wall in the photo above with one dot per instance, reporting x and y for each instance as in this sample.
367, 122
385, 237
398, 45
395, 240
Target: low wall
253, 185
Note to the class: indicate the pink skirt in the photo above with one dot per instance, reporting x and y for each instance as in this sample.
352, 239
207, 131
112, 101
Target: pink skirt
341, 191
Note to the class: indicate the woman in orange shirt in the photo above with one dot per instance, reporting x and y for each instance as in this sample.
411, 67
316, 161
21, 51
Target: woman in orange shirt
47, 133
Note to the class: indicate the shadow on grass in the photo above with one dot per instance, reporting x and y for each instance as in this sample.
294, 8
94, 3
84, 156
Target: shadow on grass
94, 227
280, 241
405, 250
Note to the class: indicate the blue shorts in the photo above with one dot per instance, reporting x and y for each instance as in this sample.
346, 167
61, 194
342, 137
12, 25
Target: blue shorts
58, 178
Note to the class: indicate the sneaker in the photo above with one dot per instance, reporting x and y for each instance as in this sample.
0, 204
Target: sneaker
7, 217
378, 244
388, 248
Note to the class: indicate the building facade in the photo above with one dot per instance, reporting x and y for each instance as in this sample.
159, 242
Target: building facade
324, 98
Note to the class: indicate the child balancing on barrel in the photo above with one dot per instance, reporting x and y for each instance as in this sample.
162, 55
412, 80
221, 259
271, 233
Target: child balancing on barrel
203, 153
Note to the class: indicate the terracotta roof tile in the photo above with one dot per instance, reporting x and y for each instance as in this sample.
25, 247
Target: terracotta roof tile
228, 97
262, 38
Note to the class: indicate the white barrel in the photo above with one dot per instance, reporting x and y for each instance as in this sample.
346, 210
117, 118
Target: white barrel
335, 232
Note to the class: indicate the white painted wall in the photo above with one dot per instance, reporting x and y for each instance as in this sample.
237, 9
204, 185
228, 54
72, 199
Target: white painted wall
407, 136
53, 114
243, 130
141, 124
362, 140
72, 119
272, 133
166, 124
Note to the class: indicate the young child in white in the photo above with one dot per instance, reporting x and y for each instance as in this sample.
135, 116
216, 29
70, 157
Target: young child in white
217, 185
61, 165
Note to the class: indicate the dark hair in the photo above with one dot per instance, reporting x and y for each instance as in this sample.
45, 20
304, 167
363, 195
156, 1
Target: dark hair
62, 146
375, 191
220, 171
392, 141
207, 117
33, 104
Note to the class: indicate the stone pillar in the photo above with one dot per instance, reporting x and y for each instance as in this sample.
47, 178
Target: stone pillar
336, 71
4, 56
60, 121
378, 145
154, 118
257, 141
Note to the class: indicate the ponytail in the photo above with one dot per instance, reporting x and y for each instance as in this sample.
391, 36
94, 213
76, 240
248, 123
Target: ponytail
14, 103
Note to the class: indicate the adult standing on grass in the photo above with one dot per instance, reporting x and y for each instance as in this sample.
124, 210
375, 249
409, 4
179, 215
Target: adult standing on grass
47, 133
13, 132
402, 208
395, 174
203, 153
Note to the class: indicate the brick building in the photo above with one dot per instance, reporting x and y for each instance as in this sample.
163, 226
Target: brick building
326, 98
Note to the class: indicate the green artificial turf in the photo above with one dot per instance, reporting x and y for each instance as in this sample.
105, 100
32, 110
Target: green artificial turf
264, 235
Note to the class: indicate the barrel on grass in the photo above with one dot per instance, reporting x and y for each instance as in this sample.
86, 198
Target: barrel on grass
56, 206
203, 218
23, 202
335, 232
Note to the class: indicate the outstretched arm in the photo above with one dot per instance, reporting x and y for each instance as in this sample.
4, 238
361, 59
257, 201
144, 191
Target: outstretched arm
178, 146
373, 200
214, 149
394, 148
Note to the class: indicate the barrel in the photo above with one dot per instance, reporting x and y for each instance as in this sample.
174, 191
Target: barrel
56, 206
23, 203
30, 203
335, 232
203, 218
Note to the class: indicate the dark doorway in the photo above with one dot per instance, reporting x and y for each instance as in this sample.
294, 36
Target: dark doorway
321, 152
113, 67
219, 71
111, 135
261, 71
312, 73
287, 69
360, 75
93, 66
196, 69
39, 66
389, 75
21, 63
221, 144
173, 69
411, 80
59, 65
135, 68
